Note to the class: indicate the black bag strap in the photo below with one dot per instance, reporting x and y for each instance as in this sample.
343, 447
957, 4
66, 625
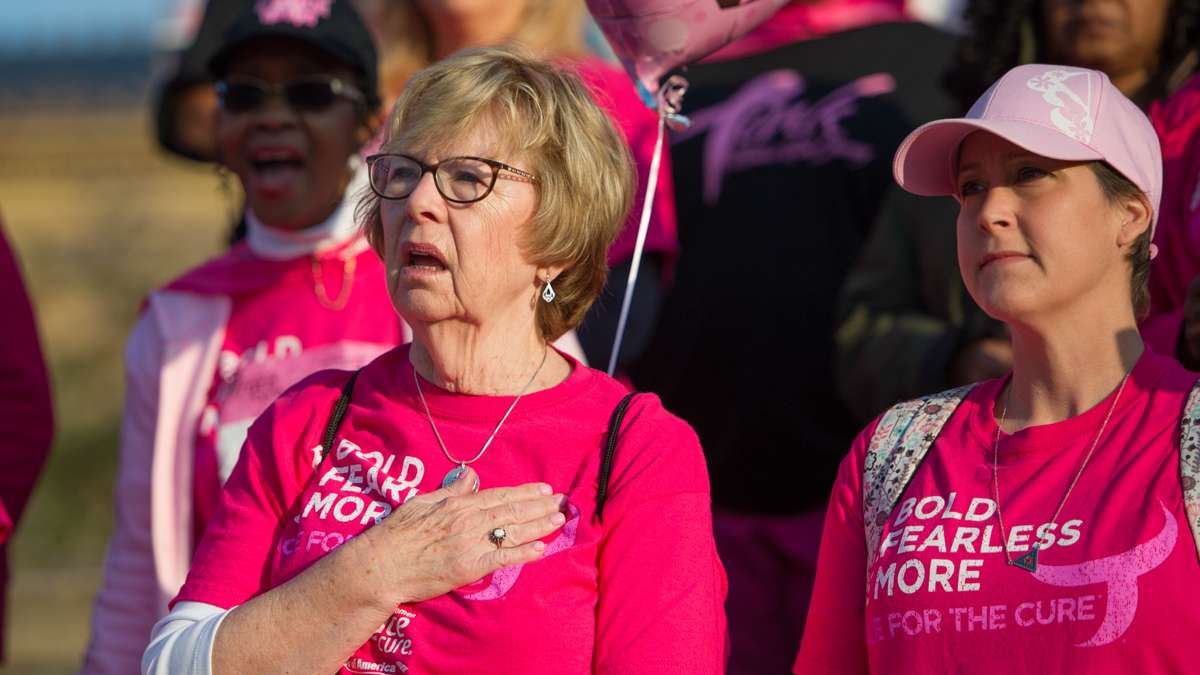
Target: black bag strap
610, 448
335, 417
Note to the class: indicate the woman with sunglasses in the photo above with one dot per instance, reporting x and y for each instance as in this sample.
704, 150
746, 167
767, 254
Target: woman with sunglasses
302, 293
1046, 521
477, 501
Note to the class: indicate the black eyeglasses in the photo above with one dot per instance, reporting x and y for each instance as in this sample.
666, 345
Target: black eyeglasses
461, 180
306, 94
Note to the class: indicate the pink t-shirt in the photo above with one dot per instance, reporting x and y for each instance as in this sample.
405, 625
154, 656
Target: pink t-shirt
1117, 588
641, 592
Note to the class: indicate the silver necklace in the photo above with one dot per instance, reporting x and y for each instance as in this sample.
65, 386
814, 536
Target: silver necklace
461, 467
1028, 562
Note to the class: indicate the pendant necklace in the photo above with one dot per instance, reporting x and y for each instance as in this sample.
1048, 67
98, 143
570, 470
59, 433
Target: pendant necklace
1029, 561
343, 296
462, 465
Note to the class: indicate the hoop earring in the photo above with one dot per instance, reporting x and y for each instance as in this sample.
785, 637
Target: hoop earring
548, 293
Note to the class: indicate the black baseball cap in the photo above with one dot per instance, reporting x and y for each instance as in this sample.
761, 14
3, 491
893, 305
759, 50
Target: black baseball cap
191, 69
332, 26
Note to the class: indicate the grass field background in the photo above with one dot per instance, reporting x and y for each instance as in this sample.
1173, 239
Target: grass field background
99, 217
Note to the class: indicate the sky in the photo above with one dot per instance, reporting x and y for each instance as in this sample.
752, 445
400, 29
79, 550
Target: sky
38, 27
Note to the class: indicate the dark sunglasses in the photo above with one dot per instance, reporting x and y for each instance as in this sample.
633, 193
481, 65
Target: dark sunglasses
304, 95
461, 180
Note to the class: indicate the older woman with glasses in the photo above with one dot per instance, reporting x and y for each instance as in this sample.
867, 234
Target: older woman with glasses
478, 500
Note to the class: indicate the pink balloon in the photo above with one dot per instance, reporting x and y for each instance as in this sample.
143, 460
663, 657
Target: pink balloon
653, 37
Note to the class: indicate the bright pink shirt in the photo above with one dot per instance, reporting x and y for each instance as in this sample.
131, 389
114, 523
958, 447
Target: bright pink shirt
641, 592
1117, 588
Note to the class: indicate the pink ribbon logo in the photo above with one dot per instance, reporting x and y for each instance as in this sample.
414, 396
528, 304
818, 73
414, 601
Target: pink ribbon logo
504, 579
1120, 572
299, 13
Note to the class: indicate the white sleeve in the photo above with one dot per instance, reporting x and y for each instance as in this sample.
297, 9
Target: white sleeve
182, 642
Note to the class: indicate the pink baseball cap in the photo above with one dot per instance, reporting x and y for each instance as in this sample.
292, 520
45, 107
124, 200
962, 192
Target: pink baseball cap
1072, 114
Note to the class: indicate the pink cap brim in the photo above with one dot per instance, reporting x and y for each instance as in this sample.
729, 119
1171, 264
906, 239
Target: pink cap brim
925, 162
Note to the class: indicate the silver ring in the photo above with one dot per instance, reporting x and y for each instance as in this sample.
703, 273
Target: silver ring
497, 536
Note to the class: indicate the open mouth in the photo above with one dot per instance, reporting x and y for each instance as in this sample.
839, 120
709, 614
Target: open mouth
275, 168
422, 257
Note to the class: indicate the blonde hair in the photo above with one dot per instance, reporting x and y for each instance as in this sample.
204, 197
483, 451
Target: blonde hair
584, 169
550, 28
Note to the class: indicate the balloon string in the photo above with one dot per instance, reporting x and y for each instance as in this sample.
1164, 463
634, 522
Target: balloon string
643, 226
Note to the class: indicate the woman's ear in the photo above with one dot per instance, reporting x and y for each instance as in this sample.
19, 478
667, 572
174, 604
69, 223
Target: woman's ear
550, 272
1138, 213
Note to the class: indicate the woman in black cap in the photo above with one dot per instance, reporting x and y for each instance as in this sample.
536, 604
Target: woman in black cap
303, 292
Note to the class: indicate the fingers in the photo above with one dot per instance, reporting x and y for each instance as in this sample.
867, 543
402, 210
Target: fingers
493, 497
517, 555
522, 511
518, 534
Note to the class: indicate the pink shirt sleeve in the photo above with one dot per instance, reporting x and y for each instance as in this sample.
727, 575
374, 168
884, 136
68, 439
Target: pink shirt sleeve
233, 560
26, 416
26, 410
659, 518
835, 633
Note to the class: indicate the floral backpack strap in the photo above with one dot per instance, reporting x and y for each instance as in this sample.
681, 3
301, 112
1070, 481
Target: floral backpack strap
1189, 462
905, 433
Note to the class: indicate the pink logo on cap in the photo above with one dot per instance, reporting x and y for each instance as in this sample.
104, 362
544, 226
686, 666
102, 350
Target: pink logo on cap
299, 13
1072, 113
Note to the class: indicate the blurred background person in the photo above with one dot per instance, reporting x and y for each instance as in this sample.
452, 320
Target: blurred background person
906, 325
26, 410
1173, 326
777, 183
297, 85
415, 33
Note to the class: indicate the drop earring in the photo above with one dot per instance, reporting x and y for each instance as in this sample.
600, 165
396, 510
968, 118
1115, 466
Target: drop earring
548, 293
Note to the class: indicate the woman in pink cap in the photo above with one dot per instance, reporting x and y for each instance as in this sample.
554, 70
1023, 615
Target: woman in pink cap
1043, 521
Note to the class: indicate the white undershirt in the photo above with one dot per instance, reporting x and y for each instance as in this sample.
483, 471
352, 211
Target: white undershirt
276, 244
181, 643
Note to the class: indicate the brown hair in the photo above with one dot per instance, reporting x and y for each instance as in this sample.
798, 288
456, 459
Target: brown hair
584, 169
1117, 188
550, 29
